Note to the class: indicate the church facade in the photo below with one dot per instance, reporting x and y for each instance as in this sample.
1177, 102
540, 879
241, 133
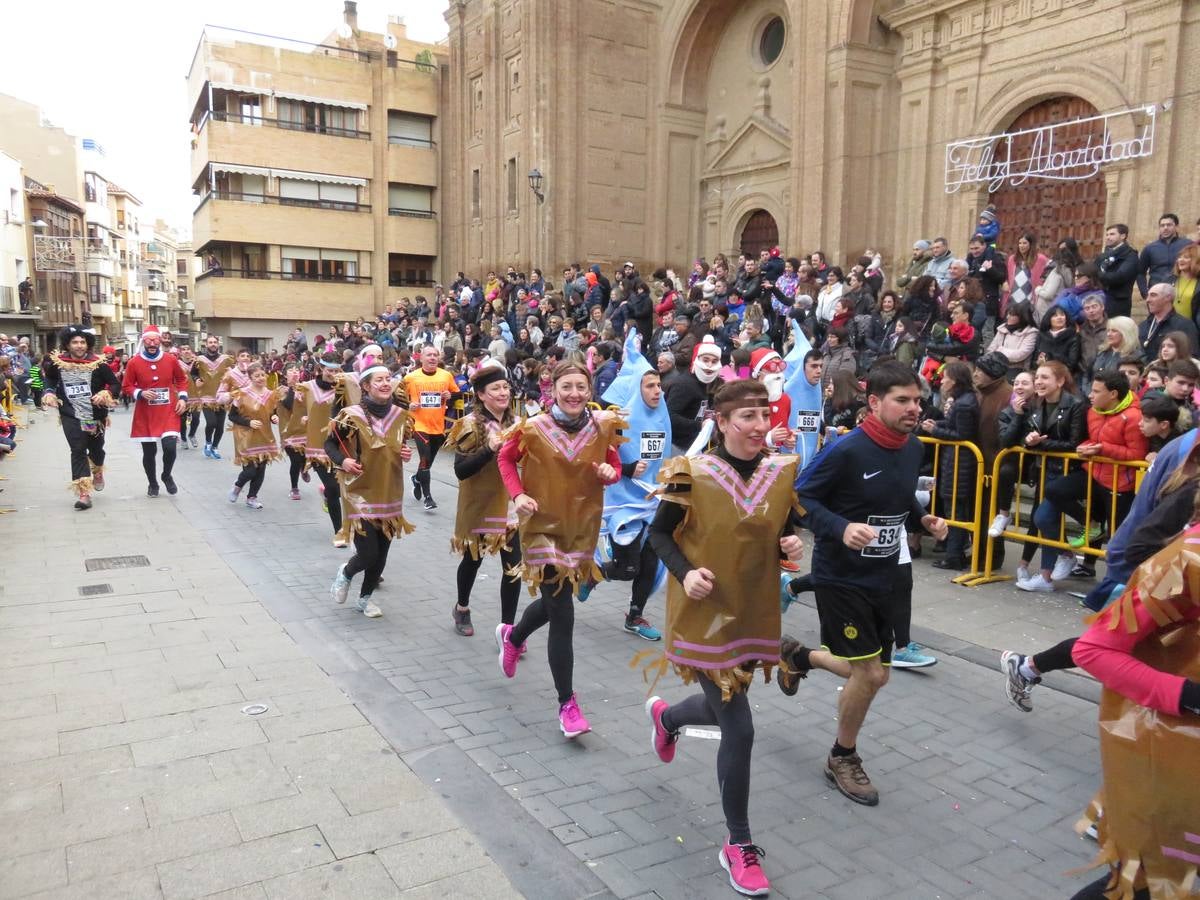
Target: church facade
666, 130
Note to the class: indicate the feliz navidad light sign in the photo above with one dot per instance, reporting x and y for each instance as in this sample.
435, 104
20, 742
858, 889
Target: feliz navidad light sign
1063, 151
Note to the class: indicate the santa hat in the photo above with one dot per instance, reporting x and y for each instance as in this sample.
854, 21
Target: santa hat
706, 344
775, 253
760, 358
151, 330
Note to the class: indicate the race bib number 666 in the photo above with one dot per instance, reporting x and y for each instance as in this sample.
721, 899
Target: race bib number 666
888, 530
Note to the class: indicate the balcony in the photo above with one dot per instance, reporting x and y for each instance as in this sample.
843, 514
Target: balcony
135, 312
106, 311
412, 164
255, 141
412, 234
157, 299
261, 219
276, 295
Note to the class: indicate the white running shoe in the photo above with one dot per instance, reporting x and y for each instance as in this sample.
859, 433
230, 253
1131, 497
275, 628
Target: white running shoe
369, 609
1022, 573
1063, 566
341, 586
998, 525
1037, 584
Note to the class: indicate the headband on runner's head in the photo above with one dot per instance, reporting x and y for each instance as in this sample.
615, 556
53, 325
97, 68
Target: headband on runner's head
329, 365
368, 372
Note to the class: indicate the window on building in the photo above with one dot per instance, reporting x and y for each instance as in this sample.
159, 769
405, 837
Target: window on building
512, 184
407, 270
181, 267
770, 42
410, 129
477, 106
321, 194
319, 263
410, 200
300, 115
95, 189
512, 96
16, 204
475, 194
239, 186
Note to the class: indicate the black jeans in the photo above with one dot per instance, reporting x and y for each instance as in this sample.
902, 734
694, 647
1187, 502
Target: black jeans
510, 587
85, 446
554, 607
370, 556
736, 721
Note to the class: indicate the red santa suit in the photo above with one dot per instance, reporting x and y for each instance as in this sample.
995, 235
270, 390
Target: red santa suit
781, 405
156, 384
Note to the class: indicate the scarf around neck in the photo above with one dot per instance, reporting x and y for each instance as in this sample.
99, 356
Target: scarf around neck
1121, 406
882, 435
567, 423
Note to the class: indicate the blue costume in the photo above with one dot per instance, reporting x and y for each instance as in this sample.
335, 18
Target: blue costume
805, 418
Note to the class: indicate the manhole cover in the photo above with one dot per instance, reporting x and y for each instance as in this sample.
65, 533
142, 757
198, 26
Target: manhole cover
100, 563
91, 590
255, 709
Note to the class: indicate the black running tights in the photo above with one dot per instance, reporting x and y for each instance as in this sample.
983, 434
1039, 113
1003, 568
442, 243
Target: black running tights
333, 494
214, 426
150, 454
296, 458
370, 556
733, 755
1096, 891
1056, 658
252, 474
556, 607
510, 588
428, 446
643, 581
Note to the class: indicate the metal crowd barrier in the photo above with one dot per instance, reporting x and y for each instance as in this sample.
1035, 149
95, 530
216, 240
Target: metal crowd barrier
957, 516
1011, 533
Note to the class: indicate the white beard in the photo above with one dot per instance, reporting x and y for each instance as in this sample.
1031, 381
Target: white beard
704, 375
774, 385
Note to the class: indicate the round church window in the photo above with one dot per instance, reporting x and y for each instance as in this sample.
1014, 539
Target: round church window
770, 44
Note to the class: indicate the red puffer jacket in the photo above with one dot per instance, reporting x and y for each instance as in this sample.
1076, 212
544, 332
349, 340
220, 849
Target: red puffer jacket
1120, 437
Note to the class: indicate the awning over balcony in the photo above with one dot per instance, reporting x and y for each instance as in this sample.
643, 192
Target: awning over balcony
285, 95
322, 177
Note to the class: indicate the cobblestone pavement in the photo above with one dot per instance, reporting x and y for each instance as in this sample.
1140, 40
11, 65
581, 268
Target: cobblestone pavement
978, 800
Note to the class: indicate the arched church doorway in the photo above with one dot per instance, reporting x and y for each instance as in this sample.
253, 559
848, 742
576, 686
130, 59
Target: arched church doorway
1053, 210
759, 233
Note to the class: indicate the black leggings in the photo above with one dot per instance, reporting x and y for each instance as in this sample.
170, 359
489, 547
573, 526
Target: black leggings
428, 446
85, 446
510, 587
1096, 891
556, 607
252, 474
370, 556
296, 458
1056, 658
195, 414
214, 426
149, 454
643, 581
333, 494
733, 754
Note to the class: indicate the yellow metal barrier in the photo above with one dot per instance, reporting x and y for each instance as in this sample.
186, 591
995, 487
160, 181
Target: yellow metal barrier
1011, 533
971, 524
6, 396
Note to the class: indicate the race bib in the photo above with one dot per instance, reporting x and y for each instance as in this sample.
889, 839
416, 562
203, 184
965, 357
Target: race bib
653, 443
702, 412
888, 531
808, 420
75, 391
430, 399
157, 397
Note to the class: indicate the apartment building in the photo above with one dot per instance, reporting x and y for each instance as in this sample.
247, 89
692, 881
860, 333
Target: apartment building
59, 291
317, 170
14, 259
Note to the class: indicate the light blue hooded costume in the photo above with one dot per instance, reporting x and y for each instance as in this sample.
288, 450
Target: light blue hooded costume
805, 419
628, 508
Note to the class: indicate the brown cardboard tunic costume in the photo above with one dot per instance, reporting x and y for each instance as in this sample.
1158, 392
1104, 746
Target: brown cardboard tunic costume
377, 495
316, 400
1148, 811
731, 527
212, 372
293, 430
255, 445
564, 530
484, 520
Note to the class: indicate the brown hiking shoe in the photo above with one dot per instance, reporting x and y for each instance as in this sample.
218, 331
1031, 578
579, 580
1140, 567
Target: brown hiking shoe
847, 775
793, 664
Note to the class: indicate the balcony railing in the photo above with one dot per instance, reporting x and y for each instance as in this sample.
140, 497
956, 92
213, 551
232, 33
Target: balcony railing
263, 274
237, 196
242, 119
400, 140
411, 213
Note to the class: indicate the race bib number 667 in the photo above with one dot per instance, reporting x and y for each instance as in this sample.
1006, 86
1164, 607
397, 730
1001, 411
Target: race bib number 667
652, 445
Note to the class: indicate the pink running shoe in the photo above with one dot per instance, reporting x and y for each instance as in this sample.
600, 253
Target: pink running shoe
509, 655
294, 495
746, 876
662, 740
571, 720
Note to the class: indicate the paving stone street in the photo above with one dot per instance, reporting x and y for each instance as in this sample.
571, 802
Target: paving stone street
393, 759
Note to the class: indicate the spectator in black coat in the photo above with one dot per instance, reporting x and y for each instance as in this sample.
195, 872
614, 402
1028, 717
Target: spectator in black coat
956, 490
1059, 340
1118, 264
990, 267
1161, 320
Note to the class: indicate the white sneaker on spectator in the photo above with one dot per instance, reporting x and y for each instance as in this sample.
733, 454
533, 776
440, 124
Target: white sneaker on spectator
1022, 572
1037, 584
1062, 567
999, 524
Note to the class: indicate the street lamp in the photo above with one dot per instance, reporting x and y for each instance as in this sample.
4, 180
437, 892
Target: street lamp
535, 185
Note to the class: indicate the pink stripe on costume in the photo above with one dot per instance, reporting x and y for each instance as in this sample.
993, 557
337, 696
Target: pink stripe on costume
481, 530
721, 664
1181, 854
299, 441
543, 555
740, 642
265, 448
381, 507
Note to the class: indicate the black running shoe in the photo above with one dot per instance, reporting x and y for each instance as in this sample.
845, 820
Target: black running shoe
429, 504
170, 485
152, 490
416, 483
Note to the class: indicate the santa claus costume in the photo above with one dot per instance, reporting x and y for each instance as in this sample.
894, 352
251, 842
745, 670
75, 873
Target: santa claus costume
768, 367
158, 385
